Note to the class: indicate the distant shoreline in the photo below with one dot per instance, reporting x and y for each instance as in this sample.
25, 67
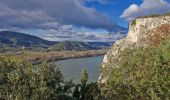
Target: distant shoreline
79, 57
52, 56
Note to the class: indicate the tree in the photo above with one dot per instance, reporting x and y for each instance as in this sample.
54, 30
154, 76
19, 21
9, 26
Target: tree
84, 77
14, 40
93, 91
76, 92
20, 80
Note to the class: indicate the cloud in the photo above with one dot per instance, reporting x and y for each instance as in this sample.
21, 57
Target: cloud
55, 19
69, 32
100, 1
20, 13
146, 8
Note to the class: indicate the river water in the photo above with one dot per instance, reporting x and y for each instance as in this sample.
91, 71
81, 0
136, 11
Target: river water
72, 68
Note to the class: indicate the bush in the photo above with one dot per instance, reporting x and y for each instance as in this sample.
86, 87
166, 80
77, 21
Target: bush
143, 74
21, 80
133, 23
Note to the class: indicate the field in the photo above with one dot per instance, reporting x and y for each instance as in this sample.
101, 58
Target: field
38, 57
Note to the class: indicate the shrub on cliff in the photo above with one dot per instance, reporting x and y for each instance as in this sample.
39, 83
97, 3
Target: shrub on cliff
143, 74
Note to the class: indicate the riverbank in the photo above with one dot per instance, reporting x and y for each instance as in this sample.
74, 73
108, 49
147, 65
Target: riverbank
39, 57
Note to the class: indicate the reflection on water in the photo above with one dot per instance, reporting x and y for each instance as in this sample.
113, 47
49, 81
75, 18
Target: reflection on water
71, 68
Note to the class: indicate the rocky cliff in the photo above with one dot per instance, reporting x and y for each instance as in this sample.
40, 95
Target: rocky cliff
142, 32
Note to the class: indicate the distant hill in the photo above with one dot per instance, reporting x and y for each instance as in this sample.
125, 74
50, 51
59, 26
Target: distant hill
14, 41
21, 39
71, 45
100, 45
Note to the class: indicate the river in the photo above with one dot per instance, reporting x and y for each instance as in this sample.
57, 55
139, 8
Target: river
72, 68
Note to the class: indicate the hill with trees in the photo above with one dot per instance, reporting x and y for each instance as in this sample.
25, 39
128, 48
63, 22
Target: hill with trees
15, 41
71, 45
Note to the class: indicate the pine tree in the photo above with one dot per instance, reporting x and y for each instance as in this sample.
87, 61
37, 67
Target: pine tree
84, 77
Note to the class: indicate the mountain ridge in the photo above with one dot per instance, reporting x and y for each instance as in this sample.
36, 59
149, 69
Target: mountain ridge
22, 39
16, 40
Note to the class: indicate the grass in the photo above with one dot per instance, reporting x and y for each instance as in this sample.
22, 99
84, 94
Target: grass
155, 15
149, 16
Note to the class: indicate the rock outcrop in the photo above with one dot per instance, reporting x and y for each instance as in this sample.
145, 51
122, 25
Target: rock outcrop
142, 32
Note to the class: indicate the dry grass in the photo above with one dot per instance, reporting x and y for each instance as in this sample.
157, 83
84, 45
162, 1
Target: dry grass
38, 57
155, 15
154, 36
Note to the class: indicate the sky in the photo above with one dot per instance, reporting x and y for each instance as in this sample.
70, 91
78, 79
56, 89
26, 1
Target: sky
76, 20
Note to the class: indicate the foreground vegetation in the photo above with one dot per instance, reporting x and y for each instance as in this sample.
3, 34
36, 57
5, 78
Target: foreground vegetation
143, 73
20, 80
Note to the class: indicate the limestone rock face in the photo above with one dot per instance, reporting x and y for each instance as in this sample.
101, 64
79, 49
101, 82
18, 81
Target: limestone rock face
141, 33
139, 27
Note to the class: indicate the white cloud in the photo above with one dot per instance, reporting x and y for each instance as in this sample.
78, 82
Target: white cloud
146, 8
72, 33
32, 13
130, 12
56, 19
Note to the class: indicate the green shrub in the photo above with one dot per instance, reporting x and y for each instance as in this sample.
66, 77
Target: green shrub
21, 80
155, 15
133, 22
143, 74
